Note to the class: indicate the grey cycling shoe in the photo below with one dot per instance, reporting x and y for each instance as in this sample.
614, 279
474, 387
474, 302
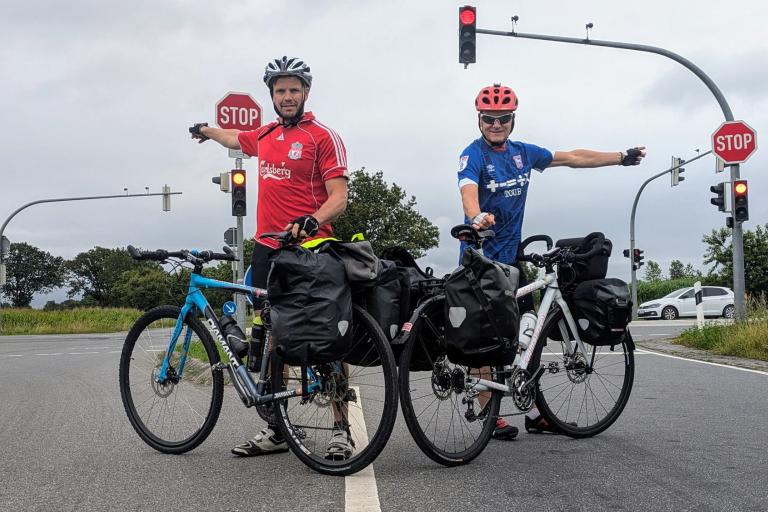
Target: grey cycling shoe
341, 446
263, 443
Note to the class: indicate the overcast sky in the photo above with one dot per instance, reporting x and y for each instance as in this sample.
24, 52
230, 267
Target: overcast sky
97, 95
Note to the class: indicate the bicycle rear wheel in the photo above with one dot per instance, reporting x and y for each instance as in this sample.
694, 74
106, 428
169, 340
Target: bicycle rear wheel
357, 394
449, 422
176, 415
581, 402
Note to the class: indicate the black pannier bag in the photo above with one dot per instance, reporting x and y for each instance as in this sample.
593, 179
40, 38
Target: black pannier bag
382, 302
481, 312
311, 306
595, 267
602, 309
360, 263
412, 280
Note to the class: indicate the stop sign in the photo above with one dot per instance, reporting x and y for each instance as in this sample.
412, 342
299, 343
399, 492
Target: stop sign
734, 141
239, 111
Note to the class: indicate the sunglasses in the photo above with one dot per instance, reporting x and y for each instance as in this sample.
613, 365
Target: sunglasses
502, 119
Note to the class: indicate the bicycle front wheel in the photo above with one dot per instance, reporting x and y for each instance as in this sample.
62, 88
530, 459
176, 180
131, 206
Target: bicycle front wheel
345, 420
176, 414
581, 394
450, 422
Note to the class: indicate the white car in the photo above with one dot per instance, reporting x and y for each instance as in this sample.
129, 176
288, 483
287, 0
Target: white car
717, 301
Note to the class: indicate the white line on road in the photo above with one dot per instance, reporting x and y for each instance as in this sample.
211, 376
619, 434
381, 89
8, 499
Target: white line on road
651, 352
14, 355
114, 351
80, 353
55, 354
361, 493
650, 334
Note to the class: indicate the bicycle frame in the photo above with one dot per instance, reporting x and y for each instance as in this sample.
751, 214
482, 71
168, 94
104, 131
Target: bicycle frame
250, 392
551, 295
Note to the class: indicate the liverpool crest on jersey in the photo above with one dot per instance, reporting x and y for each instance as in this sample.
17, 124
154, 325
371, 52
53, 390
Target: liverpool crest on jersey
295, 152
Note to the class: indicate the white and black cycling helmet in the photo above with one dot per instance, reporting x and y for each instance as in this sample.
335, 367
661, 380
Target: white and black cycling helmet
287, 67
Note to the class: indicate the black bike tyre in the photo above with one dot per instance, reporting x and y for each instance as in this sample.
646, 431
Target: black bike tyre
411, 418
388, 416
171, 313
550, 324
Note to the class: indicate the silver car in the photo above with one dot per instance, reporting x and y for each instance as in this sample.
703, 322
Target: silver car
717, 301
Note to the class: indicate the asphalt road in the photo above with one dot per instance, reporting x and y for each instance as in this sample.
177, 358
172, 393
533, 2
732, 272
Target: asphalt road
693, 437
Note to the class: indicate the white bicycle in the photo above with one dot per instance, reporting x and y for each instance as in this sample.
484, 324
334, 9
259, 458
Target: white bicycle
578, 387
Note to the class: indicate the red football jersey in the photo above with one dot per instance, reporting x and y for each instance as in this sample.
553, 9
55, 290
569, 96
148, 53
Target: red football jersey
294, 164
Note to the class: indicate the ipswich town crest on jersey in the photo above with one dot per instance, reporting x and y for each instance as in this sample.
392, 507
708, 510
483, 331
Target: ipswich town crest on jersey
295, 152
518, 161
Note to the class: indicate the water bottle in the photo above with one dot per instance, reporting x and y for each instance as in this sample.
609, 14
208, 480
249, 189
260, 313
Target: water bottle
527, 326
234, 336
254, 348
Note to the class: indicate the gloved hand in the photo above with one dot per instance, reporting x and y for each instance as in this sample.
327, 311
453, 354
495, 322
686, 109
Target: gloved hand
303, 227
195, 131
632, 156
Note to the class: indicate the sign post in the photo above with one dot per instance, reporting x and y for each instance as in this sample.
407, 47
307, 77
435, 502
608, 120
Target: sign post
238, 111
697, 294
733, 143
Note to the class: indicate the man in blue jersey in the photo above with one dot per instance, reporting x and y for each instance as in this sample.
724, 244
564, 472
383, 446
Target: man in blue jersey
494, 173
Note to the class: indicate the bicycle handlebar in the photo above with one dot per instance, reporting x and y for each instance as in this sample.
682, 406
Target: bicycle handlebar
560, 254
194, 256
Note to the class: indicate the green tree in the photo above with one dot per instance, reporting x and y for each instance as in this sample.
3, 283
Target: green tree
143, 288
678, 271
719, 254
94, 273
31, 271
383, 214
653, 271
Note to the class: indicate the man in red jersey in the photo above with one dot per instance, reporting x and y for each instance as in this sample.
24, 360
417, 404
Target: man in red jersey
302, 188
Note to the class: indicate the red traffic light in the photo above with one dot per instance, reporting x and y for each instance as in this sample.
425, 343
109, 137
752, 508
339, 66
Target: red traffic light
467, 15
740, 187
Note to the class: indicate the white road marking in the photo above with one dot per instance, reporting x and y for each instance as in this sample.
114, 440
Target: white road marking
658, 334
651, 352
14, 355
80, 353
361, 493
55, 354
114, 351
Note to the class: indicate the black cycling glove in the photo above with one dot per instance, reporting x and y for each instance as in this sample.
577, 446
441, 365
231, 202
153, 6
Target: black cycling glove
195, 131
308, 224
631, 157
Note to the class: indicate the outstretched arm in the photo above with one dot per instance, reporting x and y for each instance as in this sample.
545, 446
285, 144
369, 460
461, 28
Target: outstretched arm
227, 138
586, 158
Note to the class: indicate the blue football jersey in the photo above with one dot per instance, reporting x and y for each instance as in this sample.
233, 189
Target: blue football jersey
502, 176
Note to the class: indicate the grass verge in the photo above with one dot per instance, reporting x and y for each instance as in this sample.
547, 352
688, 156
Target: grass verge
70, 321
745, 338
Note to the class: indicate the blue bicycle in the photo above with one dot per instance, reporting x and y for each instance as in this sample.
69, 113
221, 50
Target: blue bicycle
172, 378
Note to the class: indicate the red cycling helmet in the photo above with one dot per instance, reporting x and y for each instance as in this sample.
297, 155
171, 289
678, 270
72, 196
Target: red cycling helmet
496, 97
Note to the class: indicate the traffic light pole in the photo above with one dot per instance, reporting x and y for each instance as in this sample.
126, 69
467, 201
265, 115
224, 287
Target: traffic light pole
632, 227
240, 267
737, 234
166, 195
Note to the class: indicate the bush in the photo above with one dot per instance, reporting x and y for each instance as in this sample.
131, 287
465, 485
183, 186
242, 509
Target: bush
652, 290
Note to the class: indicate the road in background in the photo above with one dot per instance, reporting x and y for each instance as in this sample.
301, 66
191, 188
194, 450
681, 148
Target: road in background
692, 438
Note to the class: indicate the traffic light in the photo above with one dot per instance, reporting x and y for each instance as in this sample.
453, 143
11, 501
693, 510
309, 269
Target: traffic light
237, 178
467, 35
740, 201
222, 180
719, 199
677, 170
626, 253
638, 258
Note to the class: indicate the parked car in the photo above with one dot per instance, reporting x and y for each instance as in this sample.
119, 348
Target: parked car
717, 301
